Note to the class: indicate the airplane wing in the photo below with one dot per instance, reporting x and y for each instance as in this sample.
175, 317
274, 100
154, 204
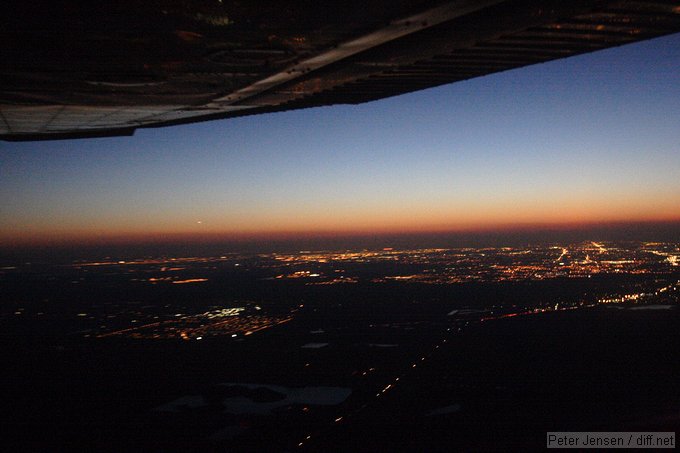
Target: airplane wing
71, 69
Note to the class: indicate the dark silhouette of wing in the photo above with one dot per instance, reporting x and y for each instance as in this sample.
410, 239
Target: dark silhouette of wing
86, 69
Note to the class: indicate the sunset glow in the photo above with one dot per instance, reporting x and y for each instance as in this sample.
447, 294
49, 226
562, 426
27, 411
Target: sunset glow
588, 140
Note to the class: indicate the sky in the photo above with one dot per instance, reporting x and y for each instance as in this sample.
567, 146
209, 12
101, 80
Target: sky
585, 140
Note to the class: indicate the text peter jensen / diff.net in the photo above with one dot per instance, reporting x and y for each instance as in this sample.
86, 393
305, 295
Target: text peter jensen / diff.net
610, 440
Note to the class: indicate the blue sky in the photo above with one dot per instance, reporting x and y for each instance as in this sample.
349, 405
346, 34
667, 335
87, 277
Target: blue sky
594, 138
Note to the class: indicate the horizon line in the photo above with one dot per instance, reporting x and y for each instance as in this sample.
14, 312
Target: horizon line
198, 238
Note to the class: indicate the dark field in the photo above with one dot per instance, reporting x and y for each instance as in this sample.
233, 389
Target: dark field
511, 380
234, 360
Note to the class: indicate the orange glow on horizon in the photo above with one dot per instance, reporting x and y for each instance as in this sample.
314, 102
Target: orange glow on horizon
112, 236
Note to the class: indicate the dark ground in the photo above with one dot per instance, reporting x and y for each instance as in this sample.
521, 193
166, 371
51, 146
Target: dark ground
514, 379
